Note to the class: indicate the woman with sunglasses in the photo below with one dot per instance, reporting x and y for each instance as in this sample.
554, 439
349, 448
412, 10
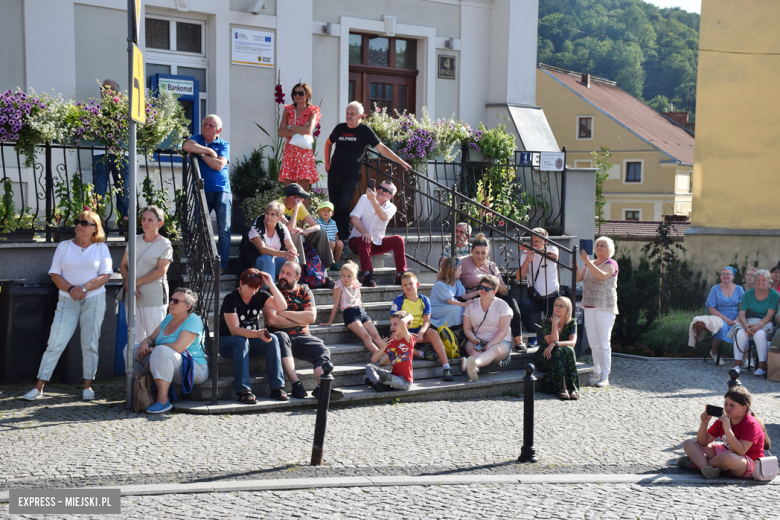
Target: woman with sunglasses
486, 324
477, 265
80, 269
301, 117
163, 351
555, 354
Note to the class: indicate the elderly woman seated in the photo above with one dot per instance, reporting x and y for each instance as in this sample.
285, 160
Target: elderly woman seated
555, 354
723, 302
756, 312
179, 336
486, 324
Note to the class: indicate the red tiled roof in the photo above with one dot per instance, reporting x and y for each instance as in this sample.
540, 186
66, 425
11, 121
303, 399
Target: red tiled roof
639, 229
639, 118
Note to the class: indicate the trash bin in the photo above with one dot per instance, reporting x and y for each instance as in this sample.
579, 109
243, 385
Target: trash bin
26, 313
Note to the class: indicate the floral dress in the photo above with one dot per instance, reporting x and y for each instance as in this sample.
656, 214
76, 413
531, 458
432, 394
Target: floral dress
729, 307
562, 365
298, 163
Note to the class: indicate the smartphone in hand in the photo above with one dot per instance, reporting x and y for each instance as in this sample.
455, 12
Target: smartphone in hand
714, 411
371, 184
266, 334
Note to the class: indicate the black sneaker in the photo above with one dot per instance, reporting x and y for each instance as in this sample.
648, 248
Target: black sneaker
521, 348
385, 377
448, 374
430, 356
329, 284
381, 387
298, 391
368, 281
335, 393
398, 277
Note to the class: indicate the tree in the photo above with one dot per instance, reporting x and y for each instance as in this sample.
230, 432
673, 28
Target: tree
603, 166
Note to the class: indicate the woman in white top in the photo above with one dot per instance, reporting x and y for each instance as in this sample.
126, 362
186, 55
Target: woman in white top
272, 240
80, 269
153, 256
486, 324
599, 301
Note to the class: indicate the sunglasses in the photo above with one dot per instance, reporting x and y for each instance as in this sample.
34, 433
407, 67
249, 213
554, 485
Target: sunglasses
298, 93
485, 288
84, 223
177, 301
380, 187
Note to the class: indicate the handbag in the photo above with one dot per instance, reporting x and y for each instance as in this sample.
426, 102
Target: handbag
302, 141
144, 394
765, 468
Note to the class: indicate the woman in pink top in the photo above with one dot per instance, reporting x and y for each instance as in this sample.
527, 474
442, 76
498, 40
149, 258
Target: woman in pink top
346, 296
474, 268
743, 439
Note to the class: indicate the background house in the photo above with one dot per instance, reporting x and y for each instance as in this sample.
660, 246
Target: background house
735, 190
652, 165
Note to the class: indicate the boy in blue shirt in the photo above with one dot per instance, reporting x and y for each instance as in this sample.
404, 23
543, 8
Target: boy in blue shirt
419, 306
328, 225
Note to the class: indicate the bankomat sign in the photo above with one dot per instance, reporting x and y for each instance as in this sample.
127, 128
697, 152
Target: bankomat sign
178, 86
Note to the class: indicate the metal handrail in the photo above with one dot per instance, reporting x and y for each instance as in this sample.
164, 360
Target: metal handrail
456, 204
203, 263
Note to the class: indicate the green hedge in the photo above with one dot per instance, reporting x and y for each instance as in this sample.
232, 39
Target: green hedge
670, 336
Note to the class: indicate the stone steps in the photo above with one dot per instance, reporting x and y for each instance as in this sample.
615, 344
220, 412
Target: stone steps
507, 382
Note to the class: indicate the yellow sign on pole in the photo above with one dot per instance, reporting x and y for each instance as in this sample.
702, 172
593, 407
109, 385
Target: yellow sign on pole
137, 18
137, 101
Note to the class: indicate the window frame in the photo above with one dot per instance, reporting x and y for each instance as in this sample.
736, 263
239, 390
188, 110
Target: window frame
380, 69
627, 210
592, 128
641, 163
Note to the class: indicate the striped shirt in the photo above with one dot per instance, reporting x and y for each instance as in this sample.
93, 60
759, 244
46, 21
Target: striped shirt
330, 227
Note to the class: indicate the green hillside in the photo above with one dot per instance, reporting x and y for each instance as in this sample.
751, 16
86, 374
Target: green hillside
658, 67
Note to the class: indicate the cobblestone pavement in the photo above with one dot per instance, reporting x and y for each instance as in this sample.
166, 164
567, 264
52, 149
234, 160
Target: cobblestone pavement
635, 426
583, 501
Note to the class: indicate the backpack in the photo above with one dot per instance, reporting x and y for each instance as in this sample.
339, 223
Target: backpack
450, 340
313, 274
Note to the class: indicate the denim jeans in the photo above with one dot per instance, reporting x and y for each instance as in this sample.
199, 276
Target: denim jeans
222, 203
241, 349
101, 166
89, 314
270, 264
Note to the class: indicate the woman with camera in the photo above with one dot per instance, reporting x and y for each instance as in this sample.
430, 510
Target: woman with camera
486, 323
555, 354
742, 437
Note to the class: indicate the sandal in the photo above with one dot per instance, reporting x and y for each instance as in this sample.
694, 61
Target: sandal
279, 395
246, 398
574, 396
563, 396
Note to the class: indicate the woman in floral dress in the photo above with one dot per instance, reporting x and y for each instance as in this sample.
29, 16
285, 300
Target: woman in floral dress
301, 117
555, 354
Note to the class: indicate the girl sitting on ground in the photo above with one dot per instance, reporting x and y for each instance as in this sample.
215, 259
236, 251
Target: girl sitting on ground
445, 309
743, 439
346, 296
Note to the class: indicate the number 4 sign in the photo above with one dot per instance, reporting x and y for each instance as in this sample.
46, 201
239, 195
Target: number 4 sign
446, 66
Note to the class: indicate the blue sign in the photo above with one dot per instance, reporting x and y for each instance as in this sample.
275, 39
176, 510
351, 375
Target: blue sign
525, 158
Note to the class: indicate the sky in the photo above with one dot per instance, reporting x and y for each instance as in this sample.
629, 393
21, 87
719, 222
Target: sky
693, 6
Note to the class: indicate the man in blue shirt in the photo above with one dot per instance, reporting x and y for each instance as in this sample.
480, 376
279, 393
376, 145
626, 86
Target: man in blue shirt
214, 158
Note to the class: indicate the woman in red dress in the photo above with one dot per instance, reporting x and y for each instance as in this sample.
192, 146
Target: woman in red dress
301, 117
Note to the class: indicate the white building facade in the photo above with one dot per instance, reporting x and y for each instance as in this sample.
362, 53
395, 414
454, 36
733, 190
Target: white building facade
388, 52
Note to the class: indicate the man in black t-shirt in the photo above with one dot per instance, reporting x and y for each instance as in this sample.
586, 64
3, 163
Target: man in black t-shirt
351, 140
240, 335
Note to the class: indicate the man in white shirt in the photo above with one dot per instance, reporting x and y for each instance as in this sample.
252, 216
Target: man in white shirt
369, 221
541, 273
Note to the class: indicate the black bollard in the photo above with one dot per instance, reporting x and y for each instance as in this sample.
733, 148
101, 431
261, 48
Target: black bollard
734, 374
326, 380
527, 452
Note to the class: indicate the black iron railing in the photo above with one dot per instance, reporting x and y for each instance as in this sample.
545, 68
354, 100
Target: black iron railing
59, 176
203, 267
516, 188
429, 210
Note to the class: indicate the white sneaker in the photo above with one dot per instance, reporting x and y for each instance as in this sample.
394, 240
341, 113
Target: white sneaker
88, 394
602, 383
745, 362
463, 362
759, 372
471, 369
33, 394
715, 359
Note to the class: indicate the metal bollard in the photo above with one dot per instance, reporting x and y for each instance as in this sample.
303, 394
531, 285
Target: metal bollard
527, 452
326, 380
734, 374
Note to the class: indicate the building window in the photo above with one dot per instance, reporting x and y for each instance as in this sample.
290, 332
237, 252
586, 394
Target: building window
382, 72
584, 127
633, 172
632, 214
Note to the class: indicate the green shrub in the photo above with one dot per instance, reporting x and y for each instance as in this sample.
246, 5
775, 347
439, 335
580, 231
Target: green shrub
250, 176
669, 337
684, 290
255, 206
637, 290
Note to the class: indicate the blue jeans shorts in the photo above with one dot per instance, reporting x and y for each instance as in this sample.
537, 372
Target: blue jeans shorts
355, 314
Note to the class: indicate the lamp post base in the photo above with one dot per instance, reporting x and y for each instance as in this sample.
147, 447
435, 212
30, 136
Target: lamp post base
527, 454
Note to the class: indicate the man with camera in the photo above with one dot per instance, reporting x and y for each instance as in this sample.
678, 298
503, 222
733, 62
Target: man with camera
541, 275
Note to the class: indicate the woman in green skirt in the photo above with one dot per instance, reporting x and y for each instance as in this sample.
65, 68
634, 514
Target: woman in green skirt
555, 354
